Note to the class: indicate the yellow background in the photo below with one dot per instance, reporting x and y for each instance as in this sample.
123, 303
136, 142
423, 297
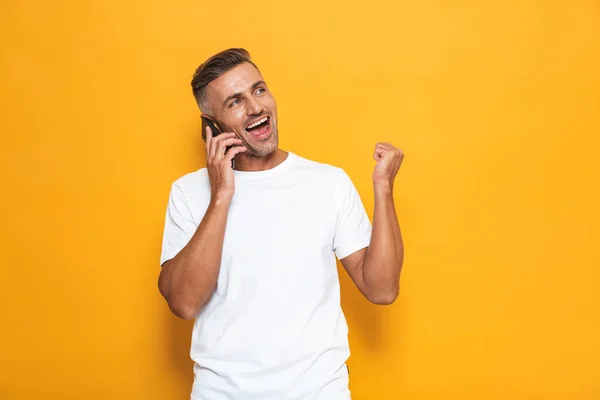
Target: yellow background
495, 103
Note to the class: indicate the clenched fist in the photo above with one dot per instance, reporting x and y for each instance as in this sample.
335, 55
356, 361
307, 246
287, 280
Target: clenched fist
389, 159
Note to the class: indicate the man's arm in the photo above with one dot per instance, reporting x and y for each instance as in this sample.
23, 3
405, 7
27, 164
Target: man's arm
376, 269
188, 280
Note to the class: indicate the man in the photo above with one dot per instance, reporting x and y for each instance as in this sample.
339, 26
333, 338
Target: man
250, 252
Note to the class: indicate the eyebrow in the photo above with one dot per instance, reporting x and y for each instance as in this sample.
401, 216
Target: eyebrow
238, 95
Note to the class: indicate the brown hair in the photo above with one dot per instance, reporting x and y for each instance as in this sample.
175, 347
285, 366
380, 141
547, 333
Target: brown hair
214, 67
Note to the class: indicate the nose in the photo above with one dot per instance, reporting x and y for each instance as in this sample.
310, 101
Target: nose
254, 107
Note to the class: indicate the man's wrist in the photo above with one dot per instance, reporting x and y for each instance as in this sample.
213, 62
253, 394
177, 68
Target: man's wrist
383, 188
219, 201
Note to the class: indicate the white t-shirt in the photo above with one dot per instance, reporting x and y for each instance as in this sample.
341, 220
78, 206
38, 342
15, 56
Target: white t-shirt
274, 328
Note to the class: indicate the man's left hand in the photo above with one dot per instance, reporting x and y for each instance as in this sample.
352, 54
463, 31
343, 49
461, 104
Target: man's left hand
389, 159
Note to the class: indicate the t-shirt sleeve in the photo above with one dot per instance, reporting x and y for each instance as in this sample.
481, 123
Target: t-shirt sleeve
353, 228
179, 225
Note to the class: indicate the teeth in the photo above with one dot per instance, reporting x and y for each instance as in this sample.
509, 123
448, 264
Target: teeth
257, 123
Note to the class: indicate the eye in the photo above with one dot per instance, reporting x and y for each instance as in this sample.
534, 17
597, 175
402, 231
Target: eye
234, 103
260, 90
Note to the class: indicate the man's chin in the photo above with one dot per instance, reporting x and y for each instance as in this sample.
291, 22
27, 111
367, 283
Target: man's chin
262, 149
262, 152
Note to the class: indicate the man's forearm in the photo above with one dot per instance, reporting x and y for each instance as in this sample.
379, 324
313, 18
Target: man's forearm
385, 255
188, 280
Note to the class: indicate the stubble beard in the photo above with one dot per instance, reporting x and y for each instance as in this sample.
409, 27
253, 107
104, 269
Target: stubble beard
265, 148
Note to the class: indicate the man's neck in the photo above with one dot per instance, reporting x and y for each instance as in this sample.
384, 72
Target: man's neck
250, 163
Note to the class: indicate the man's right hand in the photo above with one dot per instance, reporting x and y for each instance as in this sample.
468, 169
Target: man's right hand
218, 163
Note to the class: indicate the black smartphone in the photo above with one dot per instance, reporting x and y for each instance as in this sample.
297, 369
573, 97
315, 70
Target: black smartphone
215, 132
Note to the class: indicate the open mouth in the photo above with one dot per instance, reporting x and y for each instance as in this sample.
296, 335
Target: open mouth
259, 128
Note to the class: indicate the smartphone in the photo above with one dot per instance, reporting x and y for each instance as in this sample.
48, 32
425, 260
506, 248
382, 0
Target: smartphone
206, 121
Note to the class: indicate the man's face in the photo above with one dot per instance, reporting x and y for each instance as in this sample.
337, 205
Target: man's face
240, 102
